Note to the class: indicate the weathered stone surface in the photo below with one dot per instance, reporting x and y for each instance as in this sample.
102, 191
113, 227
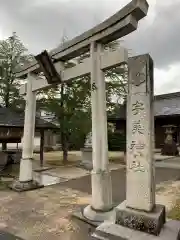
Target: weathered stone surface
100, 176
110, 231
24, 186
139, 211
101, 191
149, 222
140, 130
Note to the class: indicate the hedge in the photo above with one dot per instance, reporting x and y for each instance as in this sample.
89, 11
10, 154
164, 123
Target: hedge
116, 141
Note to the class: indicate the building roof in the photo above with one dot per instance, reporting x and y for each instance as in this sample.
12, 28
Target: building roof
9, 118
167, 104
164, 105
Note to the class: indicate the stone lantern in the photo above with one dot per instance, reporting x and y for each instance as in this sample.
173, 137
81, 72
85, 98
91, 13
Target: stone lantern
170, 147
86, 153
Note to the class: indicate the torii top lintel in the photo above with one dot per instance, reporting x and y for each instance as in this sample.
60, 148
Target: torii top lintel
120, 24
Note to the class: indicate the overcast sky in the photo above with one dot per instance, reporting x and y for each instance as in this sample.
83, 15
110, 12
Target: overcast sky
40, 24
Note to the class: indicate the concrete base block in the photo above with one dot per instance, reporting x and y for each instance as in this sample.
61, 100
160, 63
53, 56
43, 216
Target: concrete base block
24, 186
98, 216
149, 222
111, 231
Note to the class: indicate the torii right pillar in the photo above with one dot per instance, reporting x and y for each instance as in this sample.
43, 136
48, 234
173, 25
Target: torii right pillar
101, 207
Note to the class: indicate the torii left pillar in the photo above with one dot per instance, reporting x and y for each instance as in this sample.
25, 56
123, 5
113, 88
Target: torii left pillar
25, 181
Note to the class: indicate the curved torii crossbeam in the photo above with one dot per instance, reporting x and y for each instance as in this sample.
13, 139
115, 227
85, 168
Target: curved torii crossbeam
120, 24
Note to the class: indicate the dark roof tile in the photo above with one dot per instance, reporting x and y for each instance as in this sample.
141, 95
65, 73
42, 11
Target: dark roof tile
164, 105
9, 118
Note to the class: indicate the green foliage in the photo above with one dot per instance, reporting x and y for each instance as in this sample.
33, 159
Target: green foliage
12, 56
70, 106
116, 141
70, 103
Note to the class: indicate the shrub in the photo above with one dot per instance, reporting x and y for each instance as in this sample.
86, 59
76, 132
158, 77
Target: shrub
116, 141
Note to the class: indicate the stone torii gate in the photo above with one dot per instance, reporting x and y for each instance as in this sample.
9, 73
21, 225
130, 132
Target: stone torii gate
122, 23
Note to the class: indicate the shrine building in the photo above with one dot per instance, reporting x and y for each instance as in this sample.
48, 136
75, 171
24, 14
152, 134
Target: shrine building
166, 114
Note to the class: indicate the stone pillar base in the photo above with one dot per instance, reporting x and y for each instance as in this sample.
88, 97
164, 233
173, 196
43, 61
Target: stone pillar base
101, 208
148, 222
98, 216
24, 186
111, 231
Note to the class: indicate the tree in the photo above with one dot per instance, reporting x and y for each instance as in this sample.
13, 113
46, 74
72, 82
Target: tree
12, 56
70, 103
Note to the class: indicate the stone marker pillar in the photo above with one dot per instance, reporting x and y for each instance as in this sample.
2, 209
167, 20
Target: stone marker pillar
25, 181
139, 217
140, 185
140, 164
101, 205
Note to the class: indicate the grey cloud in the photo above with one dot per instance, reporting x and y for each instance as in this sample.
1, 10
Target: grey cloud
41, 26
173, 85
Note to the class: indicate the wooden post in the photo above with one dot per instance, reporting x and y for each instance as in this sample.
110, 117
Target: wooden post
42, 147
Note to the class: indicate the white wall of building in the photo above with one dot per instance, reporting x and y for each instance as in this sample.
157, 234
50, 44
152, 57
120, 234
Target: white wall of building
14, 145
